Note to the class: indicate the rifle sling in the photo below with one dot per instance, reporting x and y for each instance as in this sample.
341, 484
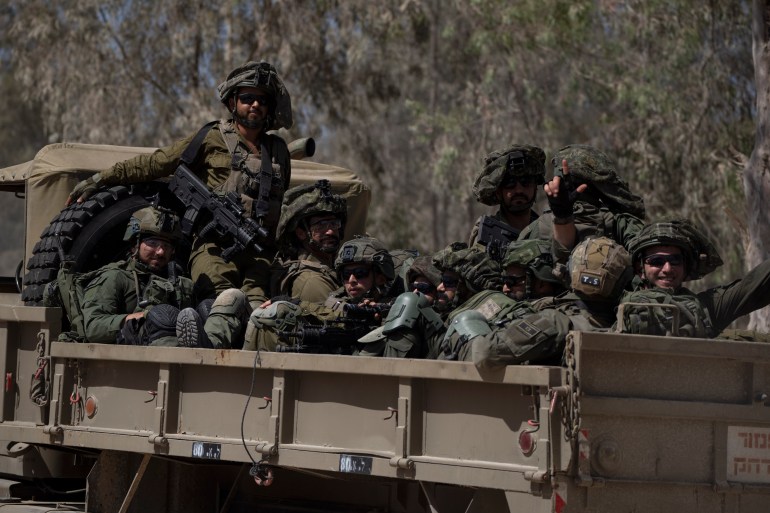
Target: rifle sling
189, 154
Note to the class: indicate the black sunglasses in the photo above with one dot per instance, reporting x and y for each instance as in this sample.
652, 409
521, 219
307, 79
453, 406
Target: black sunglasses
449, 282
524, 181
422, 287
358, 272
661, 260
249, 98
512, 281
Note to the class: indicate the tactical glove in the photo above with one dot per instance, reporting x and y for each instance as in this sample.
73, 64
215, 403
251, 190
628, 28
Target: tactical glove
561, 205
85, 189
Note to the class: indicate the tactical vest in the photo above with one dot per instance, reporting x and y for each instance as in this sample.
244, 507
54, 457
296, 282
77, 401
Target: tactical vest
694, 318
245, 175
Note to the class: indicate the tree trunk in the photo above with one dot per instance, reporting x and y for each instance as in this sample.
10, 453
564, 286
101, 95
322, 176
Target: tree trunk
756, 179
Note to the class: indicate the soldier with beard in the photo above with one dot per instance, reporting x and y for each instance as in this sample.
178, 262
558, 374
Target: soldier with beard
509, 180
235, 155
309, 231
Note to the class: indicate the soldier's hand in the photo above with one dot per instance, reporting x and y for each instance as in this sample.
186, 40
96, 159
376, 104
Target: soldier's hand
561, 193
84, 189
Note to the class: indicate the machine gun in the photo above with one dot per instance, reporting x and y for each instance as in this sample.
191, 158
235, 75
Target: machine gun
496, 235
222, 215
372, 314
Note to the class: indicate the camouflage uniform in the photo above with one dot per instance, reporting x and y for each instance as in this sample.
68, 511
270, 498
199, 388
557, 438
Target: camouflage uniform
517, 161
224, 163
599, 270
297, 272
130, 286
704, 314
608, 208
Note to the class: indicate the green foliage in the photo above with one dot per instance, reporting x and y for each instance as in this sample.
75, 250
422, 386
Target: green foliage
416, 93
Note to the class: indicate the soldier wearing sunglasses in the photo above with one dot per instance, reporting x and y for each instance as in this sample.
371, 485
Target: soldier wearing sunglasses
238, 155
669, 253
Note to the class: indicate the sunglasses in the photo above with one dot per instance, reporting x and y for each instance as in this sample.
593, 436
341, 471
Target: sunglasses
358, 272
154, 243
449, 281
325, 226
423, 288
249, 98
661, 260
512, 281
524, 181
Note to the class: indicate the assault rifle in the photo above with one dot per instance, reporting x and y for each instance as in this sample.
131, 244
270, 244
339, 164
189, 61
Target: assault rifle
335, 337
372, 314
496, 235
222, 215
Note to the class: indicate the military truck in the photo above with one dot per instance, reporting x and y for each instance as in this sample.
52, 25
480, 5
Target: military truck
630, 424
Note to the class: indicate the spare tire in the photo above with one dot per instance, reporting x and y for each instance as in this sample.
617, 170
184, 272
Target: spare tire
89, 234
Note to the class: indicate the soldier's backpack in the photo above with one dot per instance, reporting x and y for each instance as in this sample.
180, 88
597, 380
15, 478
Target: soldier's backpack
67, 292
652, 311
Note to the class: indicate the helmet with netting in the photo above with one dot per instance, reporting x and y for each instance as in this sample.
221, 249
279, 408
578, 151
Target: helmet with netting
474, 265
366, 250
533, 255
305, 201
423, 266
599, 268
261, 75
701, 257
593, 167
517, 161
154, 222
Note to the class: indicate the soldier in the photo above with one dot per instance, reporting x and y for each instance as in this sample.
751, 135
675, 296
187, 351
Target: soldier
238, 155
136, 301
309, 232
528, 285
593, 200
509, 180
599, 270
365, 268
415, 325
423, 277
665, 255
528, 271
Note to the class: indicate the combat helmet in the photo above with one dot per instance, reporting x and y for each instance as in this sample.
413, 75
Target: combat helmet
366, 250
534, 255
599, 268
478, 271
154, 222
700, 255
519, 160
305, 201
423, 266
593, 167
264, 76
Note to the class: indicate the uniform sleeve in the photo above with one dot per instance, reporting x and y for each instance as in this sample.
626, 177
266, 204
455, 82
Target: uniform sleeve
474, 233
533, 338
143, 168
739, 298
106, 302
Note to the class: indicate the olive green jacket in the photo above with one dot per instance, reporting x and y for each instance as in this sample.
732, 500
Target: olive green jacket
112, 295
